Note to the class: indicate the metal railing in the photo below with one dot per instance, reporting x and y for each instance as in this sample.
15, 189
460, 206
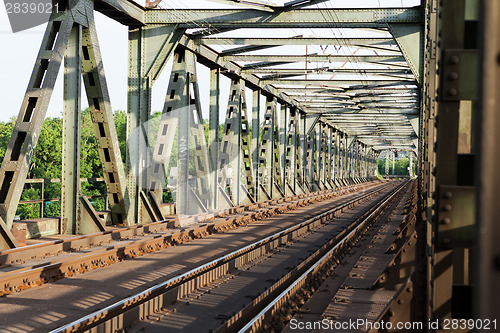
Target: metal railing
43, 181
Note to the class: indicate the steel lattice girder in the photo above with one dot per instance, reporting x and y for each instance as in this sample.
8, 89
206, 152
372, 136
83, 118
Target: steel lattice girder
297, 41
330, 71
339, 82
128, 12
316, 58
303, 18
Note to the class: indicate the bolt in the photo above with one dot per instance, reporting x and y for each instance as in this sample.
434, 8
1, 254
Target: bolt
454, 60
453, 76
446, 241
452, 92
448, 195
446, 220
447, 207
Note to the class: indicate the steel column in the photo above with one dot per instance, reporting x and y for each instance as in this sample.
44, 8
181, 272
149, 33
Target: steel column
103, 121
284, 117
29, 123
213, 134
256, 140
487, 288
70, 176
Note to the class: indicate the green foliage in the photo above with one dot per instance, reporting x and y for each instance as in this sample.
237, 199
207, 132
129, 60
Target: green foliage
29, 211
400, 168
5, 134
47, 160
47, 163
121, 130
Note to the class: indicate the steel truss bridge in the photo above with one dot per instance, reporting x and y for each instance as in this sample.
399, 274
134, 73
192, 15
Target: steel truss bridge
421, 80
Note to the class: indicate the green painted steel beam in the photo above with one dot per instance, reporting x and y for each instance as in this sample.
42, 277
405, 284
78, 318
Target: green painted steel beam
300, 18
347, 92
71, 134
350, 110
327, 70
253, 4
297, 41
212, 59
323, 58
124, 11
340, 82
244, 49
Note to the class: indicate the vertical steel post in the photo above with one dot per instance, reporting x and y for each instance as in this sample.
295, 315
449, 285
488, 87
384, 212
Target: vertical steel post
410, 172
256, 140
231, 143
290, 155
330, 156
393, 163
137, 114
266, 156
487, 288
103, 121
70, 177
29, 123
213, 133
299, 171
317, 156
284, 119
387, 161
245, 151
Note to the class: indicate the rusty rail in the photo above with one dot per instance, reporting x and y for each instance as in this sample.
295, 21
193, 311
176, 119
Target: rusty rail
137, 307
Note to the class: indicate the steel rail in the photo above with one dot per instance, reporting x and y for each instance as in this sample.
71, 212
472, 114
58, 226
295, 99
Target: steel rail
21, 254
25, 278
150, 300
255, 323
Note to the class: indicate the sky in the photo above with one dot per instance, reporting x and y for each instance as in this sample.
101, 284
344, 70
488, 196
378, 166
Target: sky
20, 51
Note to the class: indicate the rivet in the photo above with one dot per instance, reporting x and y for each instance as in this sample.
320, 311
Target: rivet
447, 207
446, 220
453, 76
454, 59
446, 241
448, 195
401, 301
409, 289
452, 92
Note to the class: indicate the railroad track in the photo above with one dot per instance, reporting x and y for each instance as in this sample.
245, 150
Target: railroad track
157, 307
55, 260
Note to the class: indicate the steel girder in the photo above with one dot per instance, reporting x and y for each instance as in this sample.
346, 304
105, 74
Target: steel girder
235, 149
297, 41
60, 31
308, 18
128, 12
152, 40
386, 59
488, 254
149, 50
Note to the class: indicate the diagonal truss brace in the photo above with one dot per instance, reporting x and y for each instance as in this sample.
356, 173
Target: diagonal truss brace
182, 118
103, 120
236, 138
269, 157
29, 123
